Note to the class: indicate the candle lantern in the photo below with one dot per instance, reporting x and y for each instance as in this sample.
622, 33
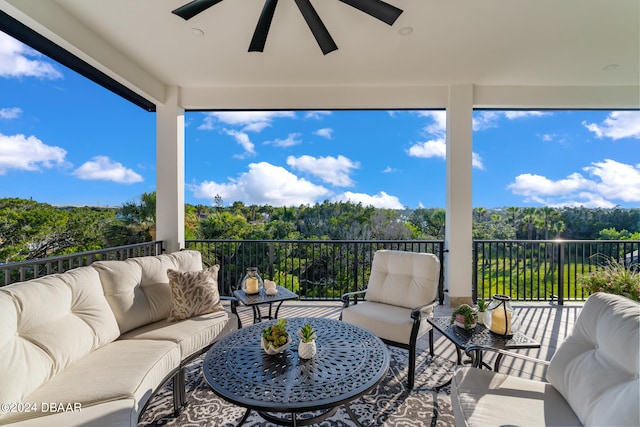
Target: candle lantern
500, 317
251, 282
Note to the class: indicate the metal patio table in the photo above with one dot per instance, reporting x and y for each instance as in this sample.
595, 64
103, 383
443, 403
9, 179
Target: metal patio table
286, 390
477, 338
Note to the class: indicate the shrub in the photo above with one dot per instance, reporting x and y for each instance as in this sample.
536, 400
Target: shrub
614, 277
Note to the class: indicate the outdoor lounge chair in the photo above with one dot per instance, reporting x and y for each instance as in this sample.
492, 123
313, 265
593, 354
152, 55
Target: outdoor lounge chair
400, 295
593, 377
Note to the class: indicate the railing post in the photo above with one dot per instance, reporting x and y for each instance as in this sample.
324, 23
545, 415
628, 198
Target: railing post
560, 273
356, 262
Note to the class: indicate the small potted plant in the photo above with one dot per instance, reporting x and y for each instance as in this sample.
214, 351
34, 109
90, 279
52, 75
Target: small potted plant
307, 346
482, 309
465, 317
275, 338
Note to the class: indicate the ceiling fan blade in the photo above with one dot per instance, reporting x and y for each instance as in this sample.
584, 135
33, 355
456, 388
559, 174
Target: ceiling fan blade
378, 9
191, 9
262, 28
316, 26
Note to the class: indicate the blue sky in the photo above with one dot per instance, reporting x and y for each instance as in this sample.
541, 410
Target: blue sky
64, 140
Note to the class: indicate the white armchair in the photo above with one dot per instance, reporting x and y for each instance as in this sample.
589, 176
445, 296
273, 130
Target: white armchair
400, 295
592, 379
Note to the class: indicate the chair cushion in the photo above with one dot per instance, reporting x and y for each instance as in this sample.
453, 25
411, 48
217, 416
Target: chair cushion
193, 292
389, 322
483, 398
597, 368
404, 279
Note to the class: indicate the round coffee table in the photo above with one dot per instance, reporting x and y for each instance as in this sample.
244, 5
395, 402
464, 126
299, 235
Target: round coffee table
287, 390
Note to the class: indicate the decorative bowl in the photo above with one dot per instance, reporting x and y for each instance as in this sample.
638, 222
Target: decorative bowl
270, 349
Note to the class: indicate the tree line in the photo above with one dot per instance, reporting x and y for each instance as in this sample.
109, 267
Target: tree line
29, 229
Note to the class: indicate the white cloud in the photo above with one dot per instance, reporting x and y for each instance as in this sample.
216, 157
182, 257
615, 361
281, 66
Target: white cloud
249, 121
10, 113
618, 125
388, 169
489, 119
264, 183
244, 141
28, 153
101, 168
316, 115
291, 140
512, 115
618, 181
324, 132
381, 200
438, 148
609, 181
333, 170
15, 62
439, 125
428, 149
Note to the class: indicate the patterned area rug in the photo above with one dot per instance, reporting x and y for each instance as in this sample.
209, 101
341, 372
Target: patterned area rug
389, 404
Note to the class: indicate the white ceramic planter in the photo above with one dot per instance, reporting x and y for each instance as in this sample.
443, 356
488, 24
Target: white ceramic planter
306, 350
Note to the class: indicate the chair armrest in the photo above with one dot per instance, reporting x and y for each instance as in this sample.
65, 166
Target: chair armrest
472, 349
417, 312
345, 297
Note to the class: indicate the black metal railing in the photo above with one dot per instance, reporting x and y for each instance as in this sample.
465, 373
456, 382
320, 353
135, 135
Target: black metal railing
542, 270
314, 269
25, 270
526, 270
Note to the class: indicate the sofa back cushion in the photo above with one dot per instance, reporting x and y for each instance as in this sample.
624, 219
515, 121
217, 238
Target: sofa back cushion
47, 324
596, 369
404, 279
137, 289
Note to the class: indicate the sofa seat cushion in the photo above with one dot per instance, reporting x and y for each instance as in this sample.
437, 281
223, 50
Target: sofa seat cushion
386, 321
48, 324
122, 370
191, 335
483, 398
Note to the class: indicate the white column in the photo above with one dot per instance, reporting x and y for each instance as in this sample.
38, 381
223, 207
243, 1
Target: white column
170, 171
458, 233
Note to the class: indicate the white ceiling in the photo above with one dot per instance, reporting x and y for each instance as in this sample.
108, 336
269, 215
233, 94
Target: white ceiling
515, 53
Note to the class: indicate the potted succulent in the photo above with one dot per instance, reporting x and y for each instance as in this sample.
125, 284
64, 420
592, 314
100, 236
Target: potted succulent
307, 346
465, 317
275, 338
482, 309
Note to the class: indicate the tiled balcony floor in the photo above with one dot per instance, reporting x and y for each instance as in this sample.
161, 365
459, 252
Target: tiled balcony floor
547, 323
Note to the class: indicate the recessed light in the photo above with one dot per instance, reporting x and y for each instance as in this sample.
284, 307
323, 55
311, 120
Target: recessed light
610, 67
405, 31
197, 32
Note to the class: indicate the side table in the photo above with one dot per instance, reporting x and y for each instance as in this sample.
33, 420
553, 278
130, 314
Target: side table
254, 301
479, 337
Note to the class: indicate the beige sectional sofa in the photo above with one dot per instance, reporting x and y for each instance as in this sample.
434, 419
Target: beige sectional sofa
91, 346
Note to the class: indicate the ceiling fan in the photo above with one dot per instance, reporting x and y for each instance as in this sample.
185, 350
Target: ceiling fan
376, 8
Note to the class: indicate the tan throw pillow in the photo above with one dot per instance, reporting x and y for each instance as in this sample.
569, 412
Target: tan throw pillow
194, 293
